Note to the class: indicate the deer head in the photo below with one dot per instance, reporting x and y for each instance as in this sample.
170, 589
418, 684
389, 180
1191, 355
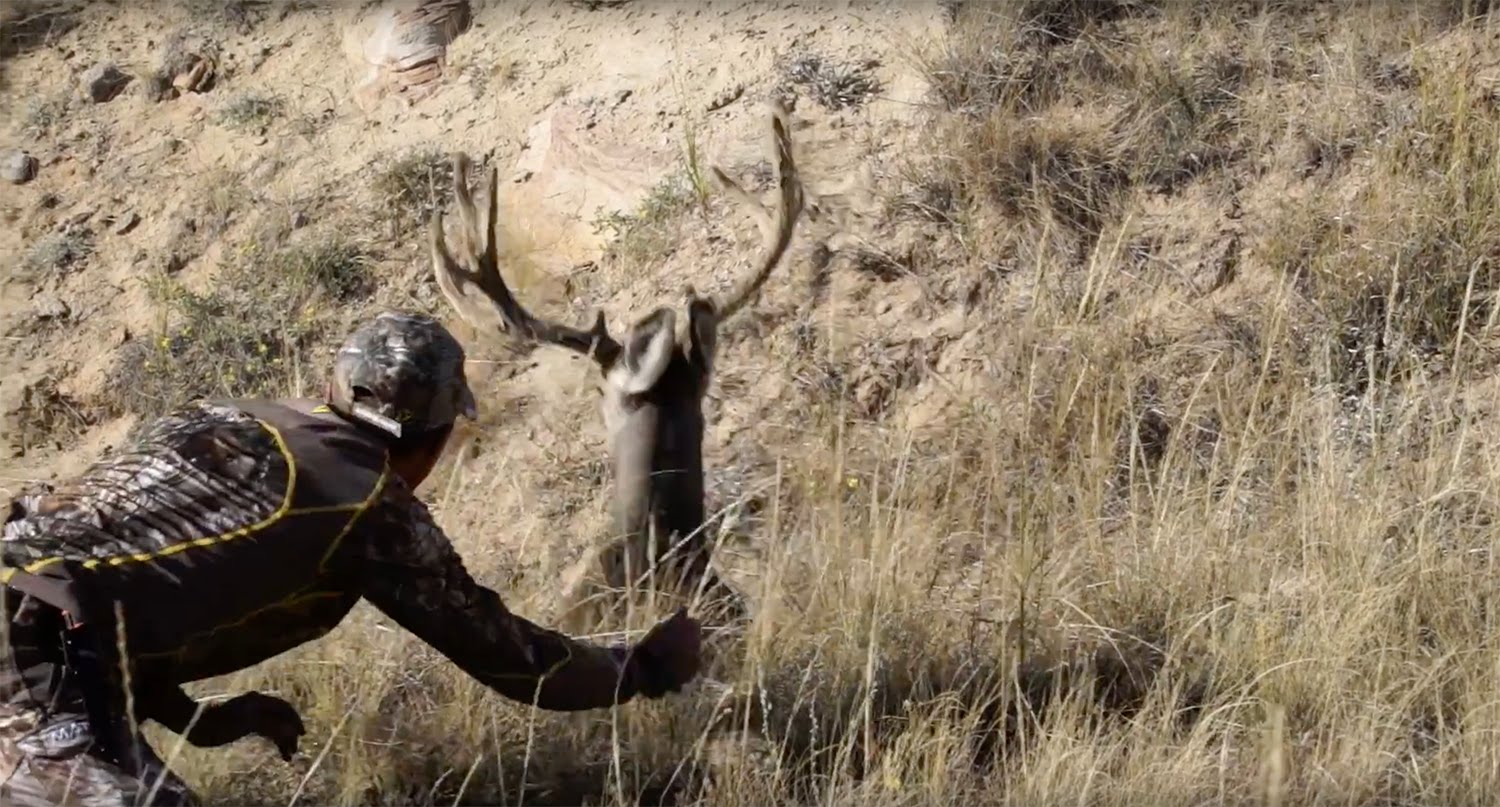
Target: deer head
654, 378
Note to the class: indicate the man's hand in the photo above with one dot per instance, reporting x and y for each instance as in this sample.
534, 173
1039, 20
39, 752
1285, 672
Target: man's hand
270, 717
223, 723
668, 657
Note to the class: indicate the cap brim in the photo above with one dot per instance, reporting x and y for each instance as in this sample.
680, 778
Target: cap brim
367, 415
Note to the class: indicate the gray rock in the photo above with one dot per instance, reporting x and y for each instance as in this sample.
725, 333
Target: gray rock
103, 82
17, 167
51, 307
126, 222
158, 88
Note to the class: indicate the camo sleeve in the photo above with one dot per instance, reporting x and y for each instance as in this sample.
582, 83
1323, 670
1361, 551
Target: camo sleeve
412, 573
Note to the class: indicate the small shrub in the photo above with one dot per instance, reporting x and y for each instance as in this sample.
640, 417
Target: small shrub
833, 85
650, 230
44, 116
249, 336
1033, 169
250, 111
46, 417
415, 184
1180, 119
60, 251
28, 24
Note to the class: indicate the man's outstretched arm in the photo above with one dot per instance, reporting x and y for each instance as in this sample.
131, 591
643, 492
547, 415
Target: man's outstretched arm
411, 572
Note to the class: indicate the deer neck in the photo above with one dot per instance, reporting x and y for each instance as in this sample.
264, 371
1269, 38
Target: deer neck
658, 476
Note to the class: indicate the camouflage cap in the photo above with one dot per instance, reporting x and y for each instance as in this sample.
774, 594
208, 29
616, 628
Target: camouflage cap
402, 373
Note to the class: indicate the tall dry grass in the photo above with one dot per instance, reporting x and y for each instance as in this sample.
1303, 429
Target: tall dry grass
1209, 513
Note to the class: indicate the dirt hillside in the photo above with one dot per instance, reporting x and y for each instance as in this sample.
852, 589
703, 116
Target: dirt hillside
585, 112
1120, 428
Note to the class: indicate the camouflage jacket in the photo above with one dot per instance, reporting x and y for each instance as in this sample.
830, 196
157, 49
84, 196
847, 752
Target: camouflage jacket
232, 532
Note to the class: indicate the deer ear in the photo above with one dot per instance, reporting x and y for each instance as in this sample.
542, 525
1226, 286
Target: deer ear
648, 351
703, 331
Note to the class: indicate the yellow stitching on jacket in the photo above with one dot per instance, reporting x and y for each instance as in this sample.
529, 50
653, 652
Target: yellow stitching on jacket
143, 557
356, 511
304, 594
375, 494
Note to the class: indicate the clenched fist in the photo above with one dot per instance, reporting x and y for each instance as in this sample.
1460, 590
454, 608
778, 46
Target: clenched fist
668, 657
272, 718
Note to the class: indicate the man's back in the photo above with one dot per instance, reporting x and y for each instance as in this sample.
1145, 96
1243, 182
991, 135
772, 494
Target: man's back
215, 533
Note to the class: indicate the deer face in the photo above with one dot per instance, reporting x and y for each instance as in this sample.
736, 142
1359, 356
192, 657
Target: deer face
661, 373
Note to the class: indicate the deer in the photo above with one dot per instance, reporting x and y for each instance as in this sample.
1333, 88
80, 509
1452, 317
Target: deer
653, 383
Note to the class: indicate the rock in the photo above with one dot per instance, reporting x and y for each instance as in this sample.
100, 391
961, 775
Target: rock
103, 82
18, 167
174, 263
158, 88
622, 96
126, 222
51, 307
726, 98
76, 220
299, 220
197, 74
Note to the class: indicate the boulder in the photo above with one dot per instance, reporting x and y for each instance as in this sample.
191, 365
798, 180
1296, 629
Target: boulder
103, 82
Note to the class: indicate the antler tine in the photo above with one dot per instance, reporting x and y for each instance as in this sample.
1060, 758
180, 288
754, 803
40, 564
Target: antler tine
480, 295
776, 225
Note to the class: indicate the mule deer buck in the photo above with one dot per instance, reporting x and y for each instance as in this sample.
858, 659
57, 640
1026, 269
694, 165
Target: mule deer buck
654, 382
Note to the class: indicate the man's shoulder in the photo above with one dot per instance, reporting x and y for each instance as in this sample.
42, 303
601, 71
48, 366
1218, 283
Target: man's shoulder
399, 529
204, 468
214, 415
399, 503
196, 415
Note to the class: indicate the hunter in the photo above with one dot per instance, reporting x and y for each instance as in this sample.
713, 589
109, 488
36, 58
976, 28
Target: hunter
232, 531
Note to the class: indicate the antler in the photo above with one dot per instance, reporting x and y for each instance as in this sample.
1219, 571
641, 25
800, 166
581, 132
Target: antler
777, 224
481, 295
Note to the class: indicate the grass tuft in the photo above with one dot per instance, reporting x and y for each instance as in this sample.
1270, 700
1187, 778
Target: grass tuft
254, 334
251, 112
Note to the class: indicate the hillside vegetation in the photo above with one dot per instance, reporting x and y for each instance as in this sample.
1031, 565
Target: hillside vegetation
1122, 431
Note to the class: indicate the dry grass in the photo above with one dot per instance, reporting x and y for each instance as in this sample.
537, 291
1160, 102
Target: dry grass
1198, 522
